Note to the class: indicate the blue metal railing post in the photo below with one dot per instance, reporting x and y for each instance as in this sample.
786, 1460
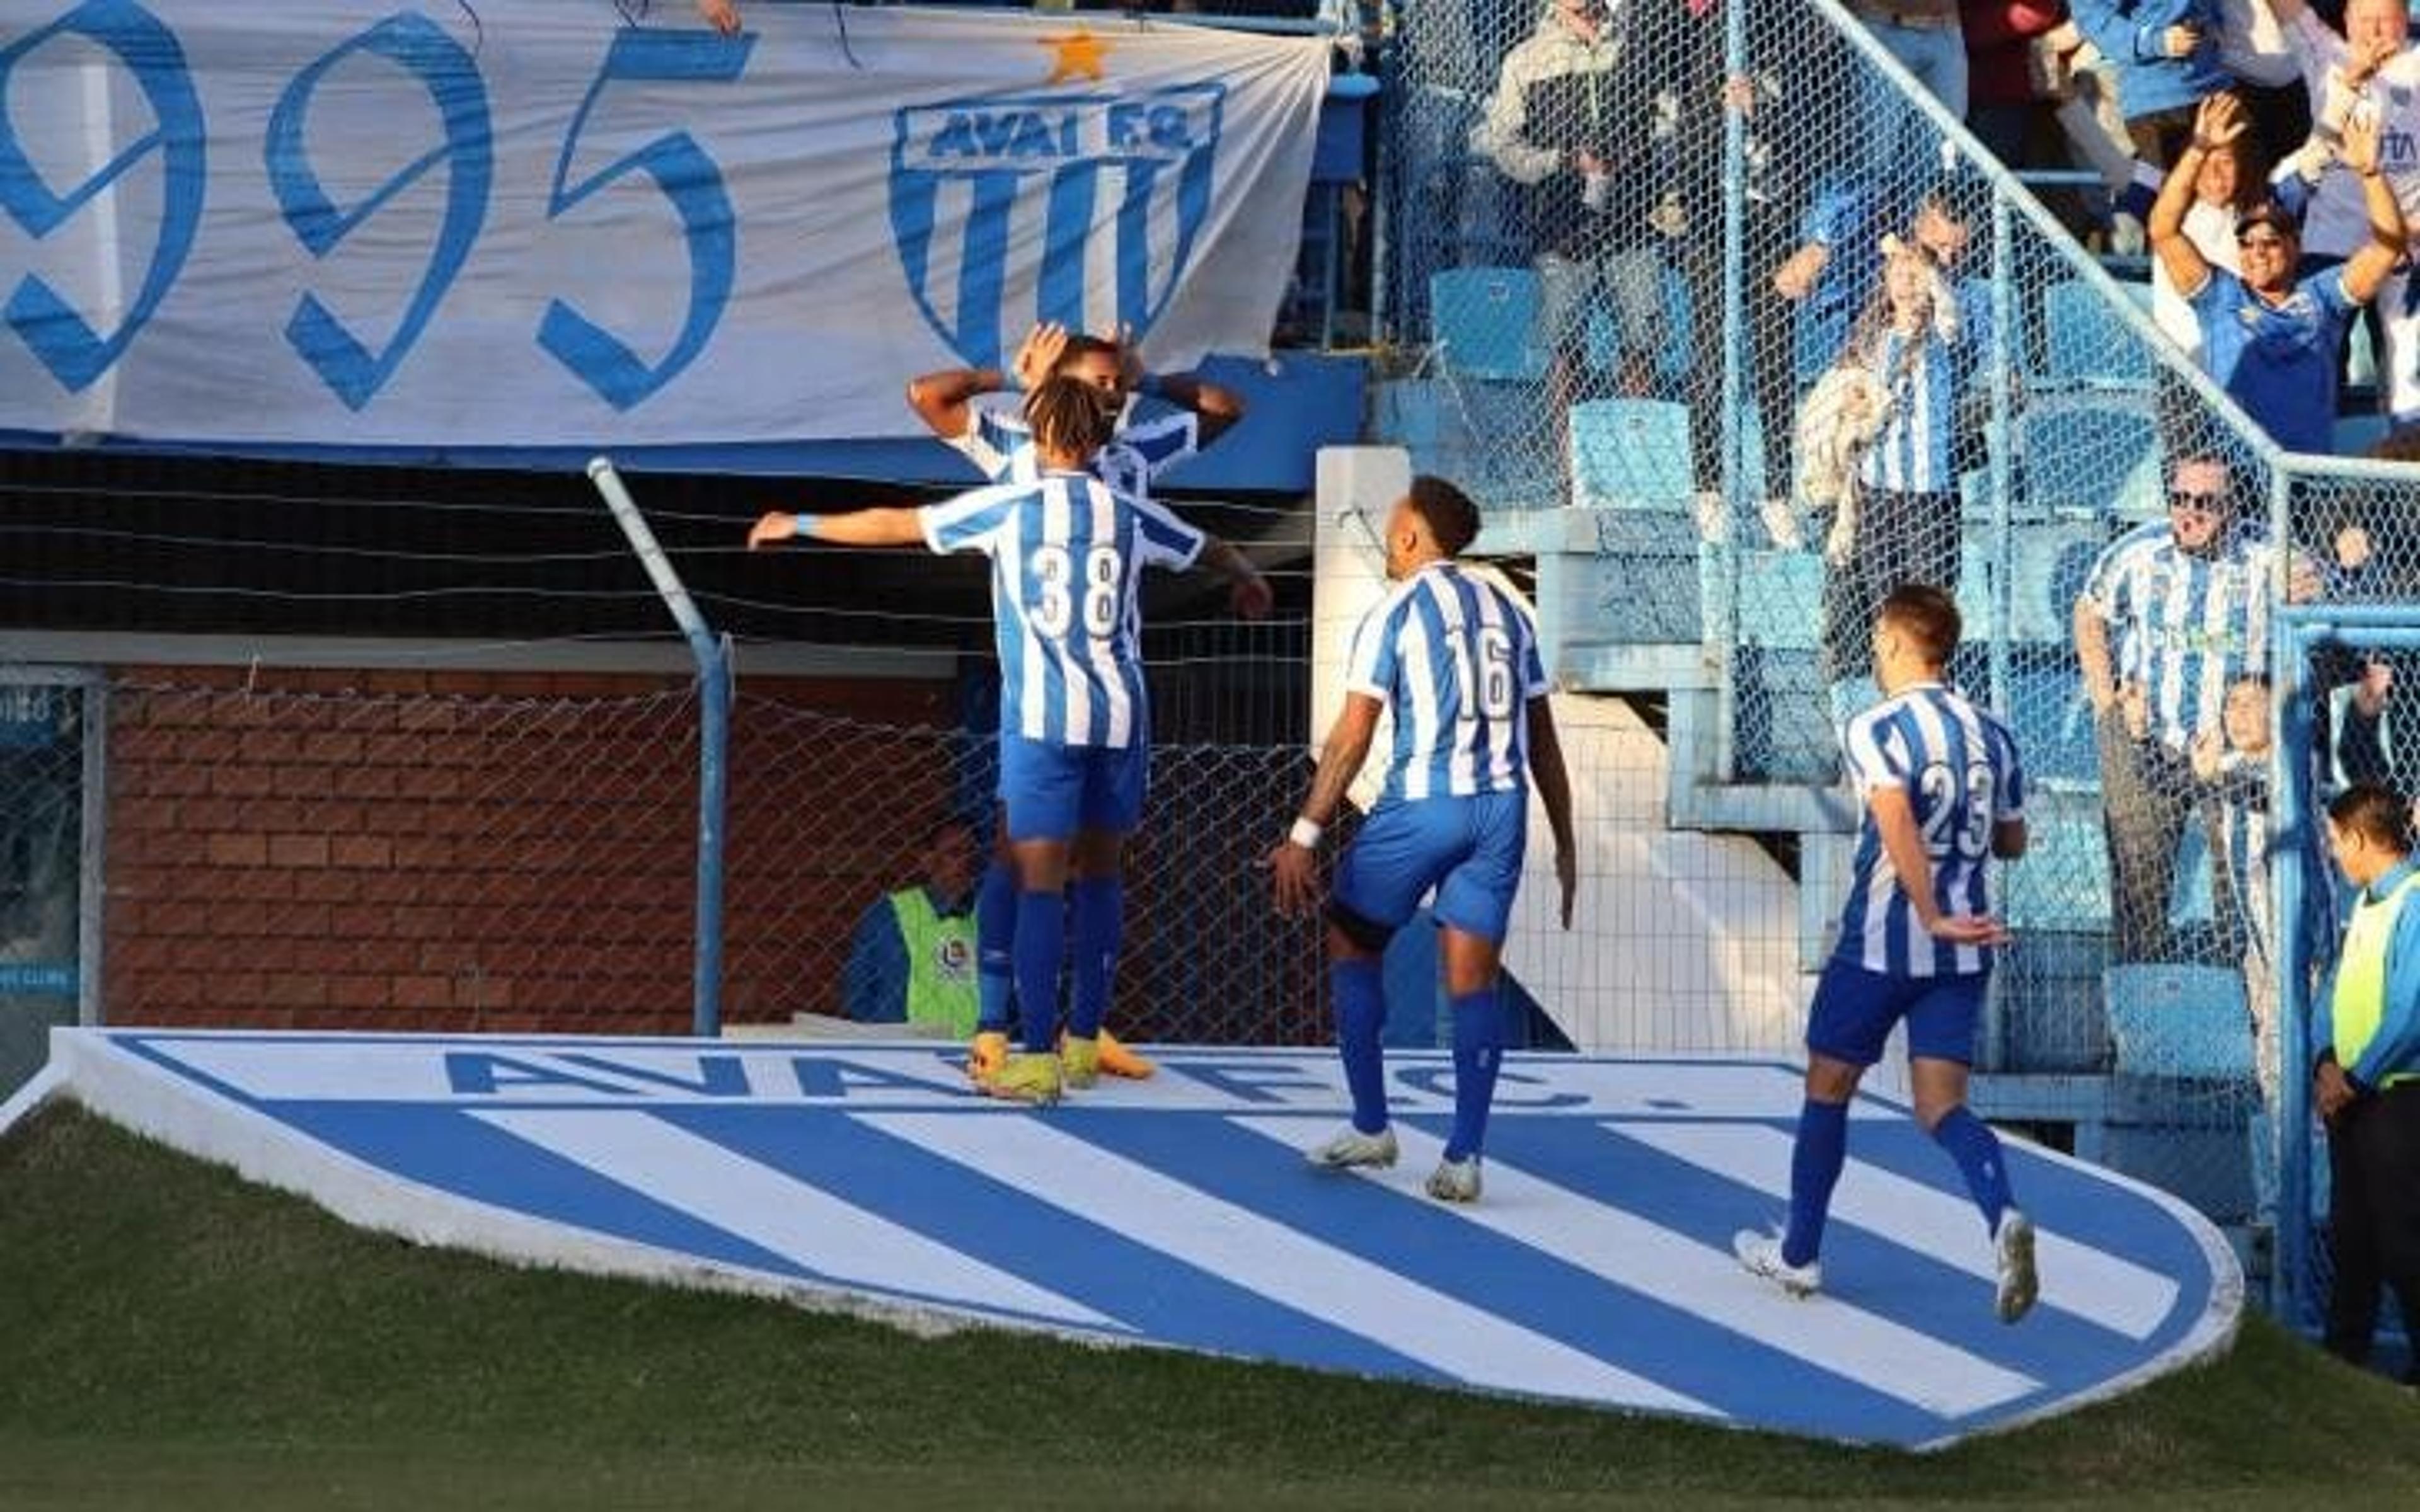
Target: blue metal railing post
2006, 339
1737, 513
2289, 819
714, 673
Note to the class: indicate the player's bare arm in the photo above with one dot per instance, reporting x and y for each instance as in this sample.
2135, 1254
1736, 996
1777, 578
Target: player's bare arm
1895, 821
1554, 784
944, 400
1247, 592
1293, 865
894, 526
1216, 407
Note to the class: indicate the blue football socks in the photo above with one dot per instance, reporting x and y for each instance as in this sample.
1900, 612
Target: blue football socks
1041, 941
995, 947
1100, 917
1815, 1162
1360, 1016
1977, 1149
1478, 1051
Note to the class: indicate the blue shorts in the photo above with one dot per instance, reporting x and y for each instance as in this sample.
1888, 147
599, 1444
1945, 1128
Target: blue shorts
1468, 849
1855, 1009
1051, 791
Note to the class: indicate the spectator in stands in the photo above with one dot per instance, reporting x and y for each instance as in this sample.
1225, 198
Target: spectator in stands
2226, 186
1898, 523
2370, 74
2365, 1079
2173, 613
1832, 293
1571, 124
2253, 46
912, 958
1924, 36
2271, 334
2005, 103
2167, 56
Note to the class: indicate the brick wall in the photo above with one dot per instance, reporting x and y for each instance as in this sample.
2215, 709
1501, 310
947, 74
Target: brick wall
452, 851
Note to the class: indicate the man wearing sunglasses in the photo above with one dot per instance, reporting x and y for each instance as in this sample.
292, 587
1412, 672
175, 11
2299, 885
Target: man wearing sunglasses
2175, 612
2269, 336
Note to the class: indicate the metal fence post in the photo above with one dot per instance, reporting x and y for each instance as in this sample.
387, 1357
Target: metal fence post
714, 673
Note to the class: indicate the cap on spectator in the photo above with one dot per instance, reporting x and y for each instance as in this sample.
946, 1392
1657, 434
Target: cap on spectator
2271, 214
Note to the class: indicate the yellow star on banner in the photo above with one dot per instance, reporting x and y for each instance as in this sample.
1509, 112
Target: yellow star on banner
1079, 57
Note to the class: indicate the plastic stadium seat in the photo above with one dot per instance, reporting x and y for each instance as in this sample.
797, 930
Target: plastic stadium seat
1632, 454
2088, 342
1485, 322
1679, 353
2052, 723
2102, 458
1457, 430
2179, 1021
1781, 599
2049, 562
2063, 881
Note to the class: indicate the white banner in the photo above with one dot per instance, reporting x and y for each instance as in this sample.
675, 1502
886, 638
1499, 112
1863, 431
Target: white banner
529, 223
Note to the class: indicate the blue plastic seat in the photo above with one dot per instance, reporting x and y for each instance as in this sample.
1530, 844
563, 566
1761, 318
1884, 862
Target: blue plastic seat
1781, 599
2091, 456
2086, 342
2179, 1021
1632, 454
1485, 321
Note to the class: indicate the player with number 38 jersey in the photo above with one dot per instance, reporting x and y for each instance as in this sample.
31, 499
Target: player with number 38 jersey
1068, 556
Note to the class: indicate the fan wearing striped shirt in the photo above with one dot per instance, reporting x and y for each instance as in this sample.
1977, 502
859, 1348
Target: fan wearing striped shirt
1944, 797
1068, 554
1000, 445
1452, 653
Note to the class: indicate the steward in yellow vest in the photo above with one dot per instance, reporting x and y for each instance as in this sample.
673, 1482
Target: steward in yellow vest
912, 958
2367, 1080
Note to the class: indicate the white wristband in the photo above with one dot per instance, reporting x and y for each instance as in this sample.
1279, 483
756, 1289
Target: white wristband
1305, 834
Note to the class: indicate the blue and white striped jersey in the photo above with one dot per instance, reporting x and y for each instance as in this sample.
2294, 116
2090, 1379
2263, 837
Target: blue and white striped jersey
1959, 768
2185, 628
999, 443
1453, 652
1068, 556
1911, 453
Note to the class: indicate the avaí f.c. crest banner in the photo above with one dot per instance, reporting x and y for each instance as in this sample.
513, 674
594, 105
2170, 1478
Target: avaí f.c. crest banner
533, 223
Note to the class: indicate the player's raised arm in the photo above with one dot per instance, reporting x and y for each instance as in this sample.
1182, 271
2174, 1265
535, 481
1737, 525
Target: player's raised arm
1215, 407
944, 400
887, 525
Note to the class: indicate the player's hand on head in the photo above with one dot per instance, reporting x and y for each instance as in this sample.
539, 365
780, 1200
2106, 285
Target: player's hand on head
1037, 354
1294, 880
1130, 369
775, 528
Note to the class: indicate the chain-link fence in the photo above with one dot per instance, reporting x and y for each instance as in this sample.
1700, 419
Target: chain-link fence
302, 856
1730, 282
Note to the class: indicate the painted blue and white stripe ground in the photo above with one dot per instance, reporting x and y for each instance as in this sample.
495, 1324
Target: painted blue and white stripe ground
1178, 1211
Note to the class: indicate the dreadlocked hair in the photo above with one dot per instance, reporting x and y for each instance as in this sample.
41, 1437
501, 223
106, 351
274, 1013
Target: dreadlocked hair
1066, 417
